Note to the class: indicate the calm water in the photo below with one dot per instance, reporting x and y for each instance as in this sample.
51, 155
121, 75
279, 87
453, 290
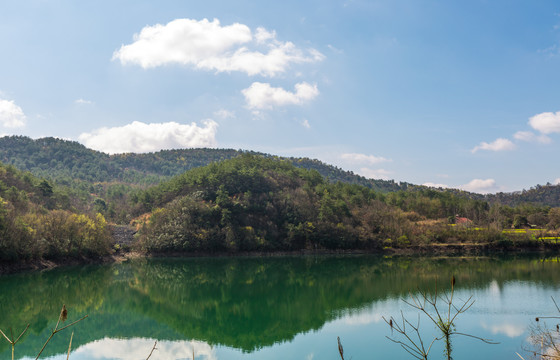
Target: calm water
272, 308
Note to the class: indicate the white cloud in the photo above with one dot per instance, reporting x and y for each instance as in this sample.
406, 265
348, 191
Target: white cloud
208, 45
83, 102
557, 181
532, 137
262, 35
499, 144
546, 122
363, 158
480, 186
224, 114
182, 41
139, 137
375, 173
305, 124
263, 96
434, 185
11, 115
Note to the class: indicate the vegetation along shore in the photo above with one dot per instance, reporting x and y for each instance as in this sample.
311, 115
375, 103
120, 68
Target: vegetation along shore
63, 203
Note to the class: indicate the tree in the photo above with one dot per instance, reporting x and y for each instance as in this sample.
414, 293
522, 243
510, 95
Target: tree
46, 188
554, 218
520, 221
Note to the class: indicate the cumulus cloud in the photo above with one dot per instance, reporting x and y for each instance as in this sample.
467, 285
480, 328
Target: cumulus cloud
263, 96
480, 186
140, 137
375, 173
434, 185
208, 45
263, 36
363, 158
557, 181
499, 144
546, 122
11, 115
532, 137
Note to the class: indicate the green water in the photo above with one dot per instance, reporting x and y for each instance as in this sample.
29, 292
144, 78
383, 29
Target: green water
271, 308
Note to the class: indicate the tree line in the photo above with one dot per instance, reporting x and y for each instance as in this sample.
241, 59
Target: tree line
245, 202
256, 203
38, 221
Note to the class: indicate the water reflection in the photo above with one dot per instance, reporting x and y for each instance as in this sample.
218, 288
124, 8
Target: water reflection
140, 348
268, 307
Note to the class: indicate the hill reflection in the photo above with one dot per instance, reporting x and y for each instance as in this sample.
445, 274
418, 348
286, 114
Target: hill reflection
243, 303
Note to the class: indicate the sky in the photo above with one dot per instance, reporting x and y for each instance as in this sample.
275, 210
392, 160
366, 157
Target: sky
462, 94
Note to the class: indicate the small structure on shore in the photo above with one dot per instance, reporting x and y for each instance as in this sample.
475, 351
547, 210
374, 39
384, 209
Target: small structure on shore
463, 221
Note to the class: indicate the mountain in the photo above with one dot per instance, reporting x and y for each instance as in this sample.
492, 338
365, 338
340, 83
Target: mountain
64, 161
72, 164
252, 202
258, 203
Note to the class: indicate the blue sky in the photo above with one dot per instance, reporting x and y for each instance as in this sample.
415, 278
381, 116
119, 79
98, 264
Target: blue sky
455, 93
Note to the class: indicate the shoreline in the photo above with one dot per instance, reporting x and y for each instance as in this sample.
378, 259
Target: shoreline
486, 249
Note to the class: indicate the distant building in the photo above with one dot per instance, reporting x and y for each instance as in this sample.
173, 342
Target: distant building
463, 221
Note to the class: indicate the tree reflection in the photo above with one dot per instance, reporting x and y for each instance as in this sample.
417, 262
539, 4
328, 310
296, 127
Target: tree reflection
244, 303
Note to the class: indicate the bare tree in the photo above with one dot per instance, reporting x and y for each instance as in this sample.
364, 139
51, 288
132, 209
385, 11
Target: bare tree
440, 310
544, 339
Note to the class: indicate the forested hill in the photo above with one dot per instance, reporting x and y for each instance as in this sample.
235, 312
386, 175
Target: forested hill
63, 161
254, 203
541, 194
248, 203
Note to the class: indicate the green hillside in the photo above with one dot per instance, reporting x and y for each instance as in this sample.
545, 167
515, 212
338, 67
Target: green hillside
540, 194
257, 203
66, 161
37, 220
250, 202
72, 164
98, 182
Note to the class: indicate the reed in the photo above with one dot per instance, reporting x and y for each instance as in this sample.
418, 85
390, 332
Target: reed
63, 316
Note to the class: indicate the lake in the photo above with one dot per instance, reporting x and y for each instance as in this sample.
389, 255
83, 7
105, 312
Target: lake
274, 307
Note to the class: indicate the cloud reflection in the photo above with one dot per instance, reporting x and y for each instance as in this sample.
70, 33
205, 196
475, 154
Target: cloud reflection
139, 348
509, 330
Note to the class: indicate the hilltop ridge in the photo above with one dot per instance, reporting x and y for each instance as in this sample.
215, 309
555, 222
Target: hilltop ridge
65, 162
62, 160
